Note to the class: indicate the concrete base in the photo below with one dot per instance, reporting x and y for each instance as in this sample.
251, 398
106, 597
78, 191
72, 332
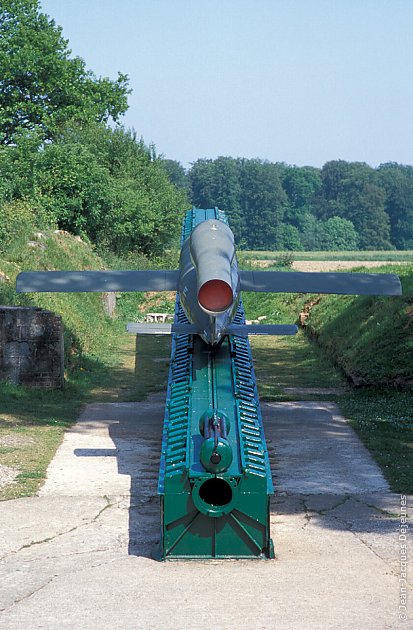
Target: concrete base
80, 555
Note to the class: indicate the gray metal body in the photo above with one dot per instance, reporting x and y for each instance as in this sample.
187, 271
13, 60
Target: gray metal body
208, 254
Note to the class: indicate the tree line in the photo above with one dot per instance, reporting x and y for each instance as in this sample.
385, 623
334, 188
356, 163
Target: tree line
341, 206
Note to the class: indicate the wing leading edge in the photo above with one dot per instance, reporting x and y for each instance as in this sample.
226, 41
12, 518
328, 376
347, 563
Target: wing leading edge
323, 282
96, 281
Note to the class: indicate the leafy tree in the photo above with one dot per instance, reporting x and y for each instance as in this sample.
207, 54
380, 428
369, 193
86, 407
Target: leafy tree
301, 185
372, 207
17, 168
291, 239
364, 204
310, 232
104, 183
333, 174
229, 190
263, 204
203, 187
41, 86
60, 163
397, 181
339, 234
73, 185
176, 173
217, 183
351, 191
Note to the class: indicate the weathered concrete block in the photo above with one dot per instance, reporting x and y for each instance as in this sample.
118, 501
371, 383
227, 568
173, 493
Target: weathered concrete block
109, 303
31, 347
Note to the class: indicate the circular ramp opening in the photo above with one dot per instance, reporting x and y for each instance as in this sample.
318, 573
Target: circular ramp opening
216, 492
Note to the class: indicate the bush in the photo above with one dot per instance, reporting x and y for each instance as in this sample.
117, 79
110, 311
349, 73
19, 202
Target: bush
17, 221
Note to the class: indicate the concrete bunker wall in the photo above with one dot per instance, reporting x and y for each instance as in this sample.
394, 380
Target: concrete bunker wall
31, 347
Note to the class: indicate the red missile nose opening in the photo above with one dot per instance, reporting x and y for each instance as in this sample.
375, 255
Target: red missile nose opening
215, 296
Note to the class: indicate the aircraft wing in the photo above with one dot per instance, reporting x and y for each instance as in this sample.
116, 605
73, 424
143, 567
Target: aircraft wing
324, 282
96, 281
241, 330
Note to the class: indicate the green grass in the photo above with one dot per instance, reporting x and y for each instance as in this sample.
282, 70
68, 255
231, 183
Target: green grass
380, 255
85, 322
278, 308
370, 338
282, 362
384, 421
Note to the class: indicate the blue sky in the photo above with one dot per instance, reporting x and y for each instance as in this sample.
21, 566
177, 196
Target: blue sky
297, 81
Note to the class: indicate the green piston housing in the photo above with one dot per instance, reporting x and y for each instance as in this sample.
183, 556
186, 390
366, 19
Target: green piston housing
215, 480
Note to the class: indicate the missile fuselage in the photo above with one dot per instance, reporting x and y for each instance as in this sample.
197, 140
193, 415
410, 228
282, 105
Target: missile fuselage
209, 282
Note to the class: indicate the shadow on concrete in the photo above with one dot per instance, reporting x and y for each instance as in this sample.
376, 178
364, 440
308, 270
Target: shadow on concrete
138, 444
135, 430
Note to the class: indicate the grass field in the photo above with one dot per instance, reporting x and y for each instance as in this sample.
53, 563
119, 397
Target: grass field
284, 362
390, 256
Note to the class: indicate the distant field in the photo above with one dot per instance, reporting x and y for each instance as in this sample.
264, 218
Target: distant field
392, 255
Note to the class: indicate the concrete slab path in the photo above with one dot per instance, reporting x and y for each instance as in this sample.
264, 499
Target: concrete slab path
81, 554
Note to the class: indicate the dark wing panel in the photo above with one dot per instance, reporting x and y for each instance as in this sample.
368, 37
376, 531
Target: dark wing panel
309, 282
88, 281
137, 328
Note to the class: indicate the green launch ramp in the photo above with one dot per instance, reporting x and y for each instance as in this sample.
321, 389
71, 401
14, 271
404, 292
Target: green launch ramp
215, 479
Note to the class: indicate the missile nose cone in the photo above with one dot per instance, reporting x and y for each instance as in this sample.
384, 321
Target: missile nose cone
215, 296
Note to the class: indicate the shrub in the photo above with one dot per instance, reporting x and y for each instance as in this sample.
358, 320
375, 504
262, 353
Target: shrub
17, 221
